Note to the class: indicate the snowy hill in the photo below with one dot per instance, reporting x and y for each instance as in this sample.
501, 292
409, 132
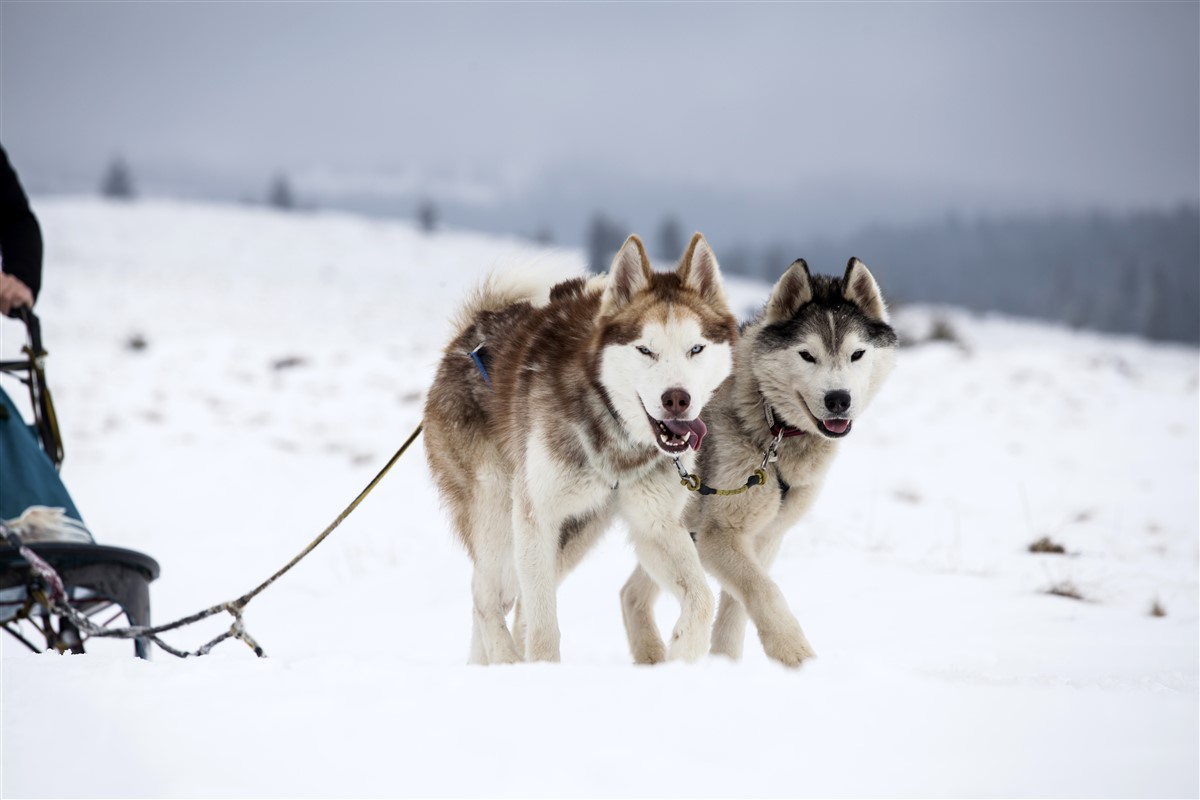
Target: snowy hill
229, 378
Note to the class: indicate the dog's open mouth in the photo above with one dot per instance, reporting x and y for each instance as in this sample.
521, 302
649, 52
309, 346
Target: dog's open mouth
834, 428
673, 436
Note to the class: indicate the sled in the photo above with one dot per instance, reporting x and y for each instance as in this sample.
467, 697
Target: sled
101, 582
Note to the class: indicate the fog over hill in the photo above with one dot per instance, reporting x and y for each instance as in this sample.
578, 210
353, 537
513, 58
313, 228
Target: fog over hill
1127, 270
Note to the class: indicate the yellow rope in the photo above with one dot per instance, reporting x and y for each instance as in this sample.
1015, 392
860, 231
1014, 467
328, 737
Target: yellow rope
693, 484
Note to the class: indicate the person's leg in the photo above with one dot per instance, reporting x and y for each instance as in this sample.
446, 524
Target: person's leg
27, 476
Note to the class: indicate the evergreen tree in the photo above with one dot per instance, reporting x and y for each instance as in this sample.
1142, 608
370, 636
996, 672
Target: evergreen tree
117, 182
604, 239
280, 195
670, 238
427, 216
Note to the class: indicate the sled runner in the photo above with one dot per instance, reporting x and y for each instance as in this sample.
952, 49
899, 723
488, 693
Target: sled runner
101, 582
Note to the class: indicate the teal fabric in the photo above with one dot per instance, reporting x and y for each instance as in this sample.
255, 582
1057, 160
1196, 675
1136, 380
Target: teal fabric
27, 476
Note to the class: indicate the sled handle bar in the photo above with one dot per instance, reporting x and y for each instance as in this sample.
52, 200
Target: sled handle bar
33, 327
34, 365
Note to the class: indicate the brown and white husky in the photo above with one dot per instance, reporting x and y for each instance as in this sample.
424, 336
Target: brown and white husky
551, 415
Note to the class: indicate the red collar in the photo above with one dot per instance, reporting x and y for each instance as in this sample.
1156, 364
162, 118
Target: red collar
779, 429
787, 432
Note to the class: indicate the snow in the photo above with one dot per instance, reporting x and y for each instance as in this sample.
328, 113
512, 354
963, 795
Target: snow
944, 668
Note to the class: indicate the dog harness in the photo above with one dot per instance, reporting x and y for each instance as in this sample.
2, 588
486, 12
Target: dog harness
477, 357
779, 432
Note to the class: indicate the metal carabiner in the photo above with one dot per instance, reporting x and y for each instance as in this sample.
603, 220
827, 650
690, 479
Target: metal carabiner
772, 454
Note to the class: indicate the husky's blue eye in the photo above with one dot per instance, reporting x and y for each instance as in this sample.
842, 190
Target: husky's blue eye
641, 348
807, 356
697, 349
857, 354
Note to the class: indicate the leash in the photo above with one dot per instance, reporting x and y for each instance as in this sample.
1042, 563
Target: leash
57, 601
693, 483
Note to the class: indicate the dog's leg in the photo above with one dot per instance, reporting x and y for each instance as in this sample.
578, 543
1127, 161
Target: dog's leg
571, 551
478, 653
578, 535
491, 597
729, 631
559, 510
479, 502
493, 584
537, 573
667, 553
747, 581
518, 626
671, 560
637, 609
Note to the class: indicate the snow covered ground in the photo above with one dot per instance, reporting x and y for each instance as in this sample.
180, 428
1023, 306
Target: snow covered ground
285, 358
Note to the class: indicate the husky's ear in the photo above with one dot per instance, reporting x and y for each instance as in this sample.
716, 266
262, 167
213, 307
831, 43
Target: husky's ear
699, 270
792, 291
629, 274
860, 288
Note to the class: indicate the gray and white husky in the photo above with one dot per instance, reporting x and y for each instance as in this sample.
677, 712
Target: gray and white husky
549, 416
804, 371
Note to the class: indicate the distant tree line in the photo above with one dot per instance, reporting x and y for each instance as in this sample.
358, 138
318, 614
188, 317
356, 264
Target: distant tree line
117, 184
1134, 273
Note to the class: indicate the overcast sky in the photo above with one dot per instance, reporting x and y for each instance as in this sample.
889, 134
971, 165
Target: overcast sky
1088, 102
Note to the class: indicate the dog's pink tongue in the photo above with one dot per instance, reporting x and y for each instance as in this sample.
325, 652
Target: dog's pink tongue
692, 430
837, 425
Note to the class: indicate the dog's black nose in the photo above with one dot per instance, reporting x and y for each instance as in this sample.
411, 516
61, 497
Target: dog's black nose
837, 401
676, 401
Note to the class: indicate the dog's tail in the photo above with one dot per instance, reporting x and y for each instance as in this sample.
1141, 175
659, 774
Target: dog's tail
499, 290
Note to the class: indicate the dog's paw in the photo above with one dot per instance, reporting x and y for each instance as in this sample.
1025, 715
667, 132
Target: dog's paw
689, 647
731, 650
650, 653
542, 644
542, 651
790, 649
505, 655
